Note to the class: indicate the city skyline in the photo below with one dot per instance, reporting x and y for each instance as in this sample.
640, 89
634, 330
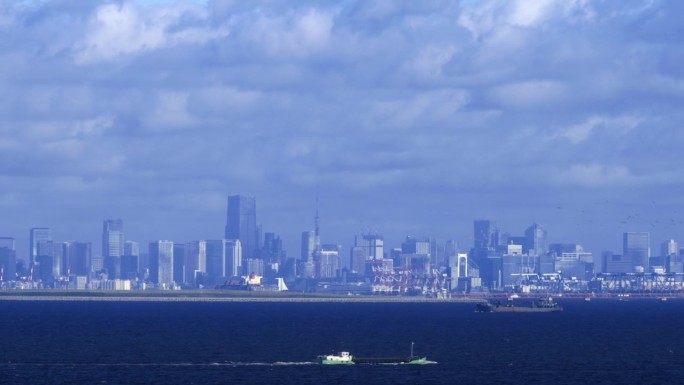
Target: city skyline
534, 238
409, 118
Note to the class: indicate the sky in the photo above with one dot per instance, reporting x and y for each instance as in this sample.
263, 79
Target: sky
403, 118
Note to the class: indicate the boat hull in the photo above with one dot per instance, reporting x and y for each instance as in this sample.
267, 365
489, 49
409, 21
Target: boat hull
412, 360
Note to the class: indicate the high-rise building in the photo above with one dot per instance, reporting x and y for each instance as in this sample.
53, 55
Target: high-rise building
416, 246
535, 240
216, 259
328, 261
308, 245
112, 246
54, 253
37, 235
486, 235
372, 243
130, 260
178, 262
161, 263
668, 248
636, 247
195, 261
77, 257
272, 249
112, 238
233, 253
8, 259
241, 223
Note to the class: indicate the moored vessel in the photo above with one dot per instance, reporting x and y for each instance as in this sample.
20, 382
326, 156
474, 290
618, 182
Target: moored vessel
542, 305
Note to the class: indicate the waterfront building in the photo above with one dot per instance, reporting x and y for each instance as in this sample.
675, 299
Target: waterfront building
328, 261
357, 259
8, 259
130, 260
416, 246
77, 257
675, 263
161, 263
112, 246
216, 261
233, 255
178, 262
37, 235
195, 261
535, 240
516, 265
241, 223
272, 250
615, 263
252, 266
51, 266
636, 246
131, 248
485, 234
308, 245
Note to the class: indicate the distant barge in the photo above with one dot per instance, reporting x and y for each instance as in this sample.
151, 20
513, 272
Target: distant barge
345, 358
543, 305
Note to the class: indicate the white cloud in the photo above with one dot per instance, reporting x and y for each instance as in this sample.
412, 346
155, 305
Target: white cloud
297, 33
579, 133
117, 30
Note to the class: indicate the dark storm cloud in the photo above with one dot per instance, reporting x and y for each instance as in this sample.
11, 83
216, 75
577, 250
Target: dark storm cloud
408, 117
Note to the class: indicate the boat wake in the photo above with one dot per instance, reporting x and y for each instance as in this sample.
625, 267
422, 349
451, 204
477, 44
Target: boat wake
153, 364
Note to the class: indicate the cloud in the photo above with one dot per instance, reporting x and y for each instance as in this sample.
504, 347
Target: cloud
118, 30
450, 109
579, 133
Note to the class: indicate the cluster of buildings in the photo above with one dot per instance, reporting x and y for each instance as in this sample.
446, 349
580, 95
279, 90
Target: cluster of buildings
248, 259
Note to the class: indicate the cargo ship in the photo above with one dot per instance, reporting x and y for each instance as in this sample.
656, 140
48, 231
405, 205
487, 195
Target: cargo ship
543, 305
345, 358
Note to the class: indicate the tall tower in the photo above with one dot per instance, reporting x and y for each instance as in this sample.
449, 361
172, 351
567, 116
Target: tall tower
241, 223
636, 246
535, 240
486, 235
38, 235
8, 259
112, 246
161, 263
233, 255
112, 238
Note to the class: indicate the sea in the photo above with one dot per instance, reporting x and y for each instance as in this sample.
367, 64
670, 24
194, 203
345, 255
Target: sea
100, 342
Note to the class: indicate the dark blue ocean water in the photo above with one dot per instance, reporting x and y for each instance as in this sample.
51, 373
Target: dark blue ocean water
598, 342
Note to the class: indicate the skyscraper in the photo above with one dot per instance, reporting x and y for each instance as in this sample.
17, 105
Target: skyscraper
8, 259
535, 240
233, 253
195, 261
77, 257
636, 246
112, 238
112, 246
215, 253
161, 263
241, 223
486, 235
37, 235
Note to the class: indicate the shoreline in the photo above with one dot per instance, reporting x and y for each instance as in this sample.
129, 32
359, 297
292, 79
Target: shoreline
86, 298
99, 296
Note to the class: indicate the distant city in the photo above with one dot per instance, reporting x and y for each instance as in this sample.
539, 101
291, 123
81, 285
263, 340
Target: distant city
249, 259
